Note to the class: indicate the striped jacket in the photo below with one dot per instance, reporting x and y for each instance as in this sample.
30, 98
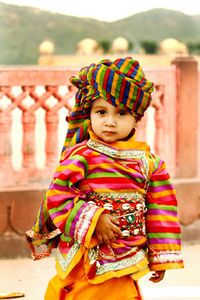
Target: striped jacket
126, 180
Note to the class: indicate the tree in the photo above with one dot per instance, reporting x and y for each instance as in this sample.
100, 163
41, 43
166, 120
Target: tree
194, 47
130, 45
105, 44
149, 47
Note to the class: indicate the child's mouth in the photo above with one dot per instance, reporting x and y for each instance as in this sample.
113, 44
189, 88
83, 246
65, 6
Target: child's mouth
109, 132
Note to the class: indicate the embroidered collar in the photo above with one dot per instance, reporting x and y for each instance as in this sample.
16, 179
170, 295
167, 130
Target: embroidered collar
113, 152
109, 150
129, 149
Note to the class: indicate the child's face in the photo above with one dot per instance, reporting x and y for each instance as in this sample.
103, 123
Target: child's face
110, 123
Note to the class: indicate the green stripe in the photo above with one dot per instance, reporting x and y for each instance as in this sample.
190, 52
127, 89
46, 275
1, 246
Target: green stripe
77, 120
125, 69
164, 235
106, 174
160, 182
60, 182
72, 215
102, 72
59, 208
65, 238
118, 87
162, 207
134, 96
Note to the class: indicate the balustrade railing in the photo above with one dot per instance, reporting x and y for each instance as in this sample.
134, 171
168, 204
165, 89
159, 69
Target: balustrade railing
30, 90
34, 90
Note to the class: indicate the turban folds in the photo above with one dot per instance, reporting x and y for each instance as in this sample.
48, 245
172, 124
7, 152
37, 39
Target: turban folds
120, 82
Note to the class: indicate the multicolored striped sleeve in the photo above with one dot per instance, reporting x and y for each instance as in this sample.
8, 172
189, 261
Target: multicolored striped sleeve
162, 225
75, 217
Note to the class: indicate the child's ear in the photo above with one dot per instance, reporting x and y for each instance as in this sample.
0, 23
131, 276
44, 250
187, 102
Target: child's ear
133, 130
131, 133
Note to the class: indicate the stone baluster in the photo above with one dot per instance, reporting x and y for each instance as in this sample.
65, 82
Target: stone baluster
157, 104
28, 136
6, 169
7, 176
51, 148
28, 144
52, 121
5, 144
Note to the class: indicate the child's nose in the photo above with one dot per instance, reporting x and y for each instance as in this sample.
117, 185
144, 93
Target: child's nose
110, 121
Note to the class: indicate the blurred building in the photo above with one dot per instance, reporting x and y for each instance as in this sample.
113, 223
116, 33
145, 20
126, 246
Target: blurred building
46, 52
172, 46
86, 51
120, 45
88, 46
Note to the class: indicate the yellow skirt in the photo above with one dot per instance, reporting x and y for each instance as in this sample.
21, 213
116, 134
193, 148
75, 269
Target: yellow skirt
76, 287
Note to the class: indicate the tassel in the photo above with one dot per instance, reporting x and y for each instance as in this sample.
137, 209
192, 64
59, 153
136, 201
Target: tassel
63, 294
65, 291
92, 271
94, 263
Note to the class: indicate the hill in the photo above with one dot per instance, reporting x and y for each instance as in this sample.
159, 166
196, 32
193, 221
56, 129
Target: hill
22, 29
158, 24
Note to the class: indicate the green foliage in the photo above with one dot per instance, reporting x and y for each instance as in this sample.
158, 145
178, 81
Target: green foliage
130, 45
105, 44
149, 47
194, 47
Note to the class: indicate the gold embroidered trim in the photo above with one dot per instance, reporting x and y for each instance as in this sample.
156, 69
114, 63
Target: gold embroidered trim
84, 222
116, 196
120, 154
122, 264
46, 236
64, 261
166, 257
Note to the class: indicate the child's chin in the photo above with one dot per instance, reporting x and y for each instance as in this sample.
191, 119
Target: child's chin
109, 139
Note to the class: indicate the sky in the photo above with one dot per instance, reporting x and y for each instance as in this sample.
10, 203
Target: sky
108, 10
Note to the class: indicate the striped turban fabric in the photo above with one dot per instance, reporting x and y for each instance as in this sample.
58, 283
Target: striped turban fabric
120, 82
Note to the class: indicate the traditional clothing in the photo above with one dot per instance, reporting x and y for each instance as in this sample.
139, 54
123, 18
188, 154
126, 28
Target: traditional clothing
123, 179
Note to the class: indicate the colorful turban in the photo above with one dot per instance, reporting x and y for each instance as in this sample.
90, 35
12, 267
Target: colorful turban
120, 82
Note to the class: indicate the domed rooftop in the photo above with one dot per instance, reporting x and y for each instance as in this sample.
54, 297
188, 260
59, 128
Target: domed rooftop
120, 44
87, 46
173, 46
46, 47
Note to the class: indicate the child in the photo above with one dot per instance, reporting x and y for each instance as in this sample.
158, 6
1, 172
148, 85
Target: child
111, 209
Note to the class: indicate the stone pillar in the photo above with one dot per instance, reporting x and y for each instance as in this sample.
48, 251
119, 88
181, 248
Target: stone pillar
6, 168
51, 148
28, 147
187, 181
187, 117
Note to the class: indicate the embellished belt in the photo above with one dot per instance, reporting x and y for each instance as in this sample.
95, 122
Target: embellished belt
127, 208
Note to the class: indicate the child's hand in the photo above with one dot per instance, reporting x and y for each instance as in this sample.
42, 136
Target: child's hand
106, 229
157, 276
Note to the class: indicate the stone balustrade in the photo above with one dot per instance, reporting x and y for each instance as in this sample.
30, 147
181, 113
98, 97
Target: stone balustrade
29, 90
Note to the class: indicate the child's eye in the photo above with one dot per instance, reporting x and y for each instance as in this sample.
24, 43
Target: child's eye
101, 112
122, 112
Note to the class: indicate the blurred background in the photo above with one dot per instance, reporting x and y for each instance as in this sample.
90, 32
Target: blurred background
30, 29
